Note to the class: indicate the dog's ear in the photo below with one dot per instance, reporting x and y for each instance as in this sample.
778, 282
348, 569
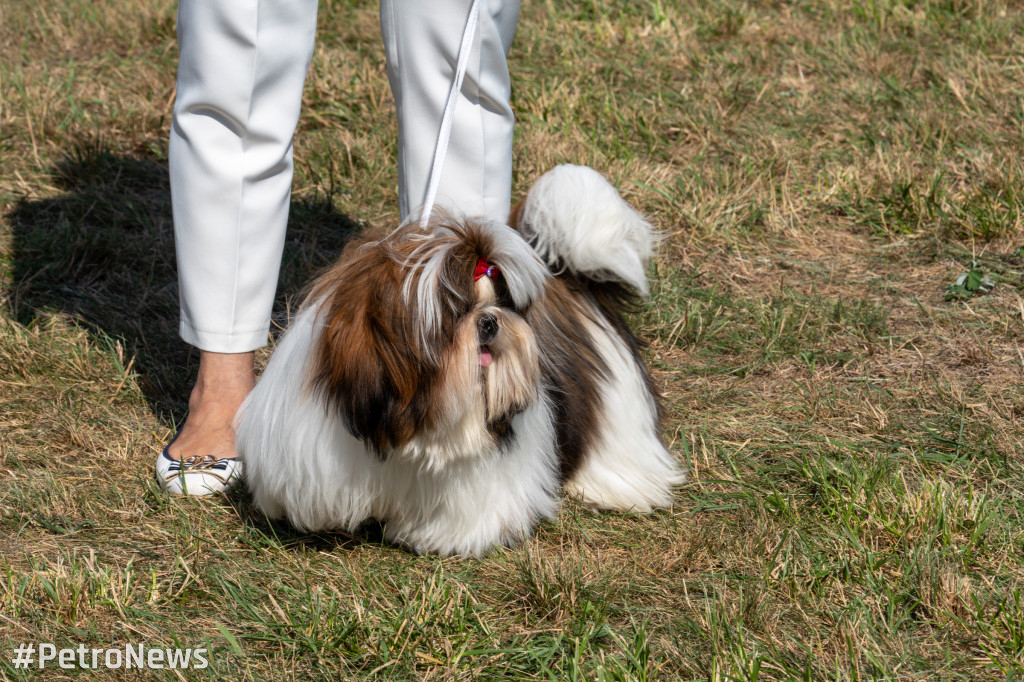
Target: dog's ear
368, 365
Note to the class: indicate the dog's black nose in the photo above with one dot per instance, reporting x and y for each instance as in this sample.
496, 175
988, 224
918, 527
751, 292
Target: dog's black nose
487, 328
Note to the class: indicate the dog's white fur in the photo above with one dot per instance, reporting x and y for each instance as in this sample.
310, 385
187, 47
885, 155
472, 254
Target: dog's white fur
303, 464
597, 234
454, 491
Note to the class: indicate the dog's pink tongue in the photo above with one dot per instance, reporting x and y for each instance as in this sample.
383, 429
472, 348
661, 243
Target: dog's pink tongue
485, 358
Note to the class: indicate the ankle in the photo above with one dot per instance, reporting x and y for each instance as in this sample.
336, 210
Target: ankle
223, 378
206, 398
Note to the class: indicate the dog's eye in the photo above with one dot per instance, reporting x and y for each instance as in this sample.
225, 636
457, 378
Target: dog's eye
504, 298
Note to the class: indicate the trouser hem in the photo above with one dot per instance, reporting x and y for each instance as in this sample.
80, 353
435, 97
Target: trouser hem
218, 342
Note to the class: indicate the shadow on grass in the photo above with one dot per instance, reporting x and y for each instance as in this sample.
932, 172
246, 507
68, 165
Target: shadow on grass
103, 252
284, 534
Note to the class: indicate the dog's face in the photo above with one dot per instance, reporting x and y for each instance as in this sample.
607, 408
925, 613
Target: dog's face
425, 351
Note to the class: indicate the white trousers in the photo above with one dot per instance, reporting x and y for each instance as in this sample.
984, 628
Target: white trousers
240, 77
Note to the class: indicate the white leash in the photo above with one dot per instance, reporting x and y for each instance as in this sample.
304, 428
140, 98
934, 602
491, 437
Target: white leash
449, 114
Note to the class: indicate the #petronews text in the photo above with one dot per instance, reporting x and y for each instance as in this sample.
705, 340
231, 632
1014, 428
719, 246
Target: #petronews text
137, 656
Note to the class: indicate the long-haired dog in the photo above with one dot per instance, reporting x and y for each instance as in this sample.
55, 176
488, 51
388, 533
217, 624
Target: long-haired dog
449, 381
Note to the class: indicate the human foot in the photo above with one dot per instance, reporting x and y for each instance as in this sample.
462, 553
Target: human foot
223, 382
200, 459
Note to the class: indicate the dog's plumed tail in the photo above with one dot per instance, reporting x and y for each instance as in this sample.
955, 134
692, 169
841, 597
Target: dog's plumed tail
577, 221
606, 403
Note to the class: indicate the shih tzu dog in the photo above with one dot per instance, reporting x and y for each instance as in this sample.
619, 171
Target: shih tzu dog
450, 381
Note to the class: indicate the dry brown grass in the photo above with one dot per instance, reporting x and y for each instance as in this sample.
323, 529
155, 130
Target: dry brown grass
822, 172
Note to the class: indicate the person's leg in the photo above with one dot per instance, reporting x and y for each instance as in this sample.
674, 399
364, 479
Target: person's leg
239, 89
422, 42
223, 381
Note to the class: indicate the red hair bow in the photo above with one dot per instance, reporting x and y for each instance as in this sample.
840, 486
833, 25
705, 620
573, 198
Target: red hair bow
484, 268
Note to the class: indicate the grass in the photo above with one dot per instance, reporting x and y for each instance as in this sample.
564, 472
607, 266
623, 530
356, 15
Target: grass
822, 172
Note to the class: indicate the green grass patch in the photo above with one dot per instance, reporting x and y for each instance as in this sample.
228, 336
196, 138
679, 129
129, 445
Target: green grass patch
822, 174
